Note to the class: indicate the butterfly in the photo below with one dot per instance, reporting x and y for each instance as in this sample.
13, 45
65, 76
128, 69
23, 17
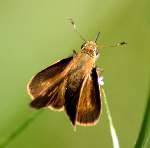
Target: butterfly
71, 85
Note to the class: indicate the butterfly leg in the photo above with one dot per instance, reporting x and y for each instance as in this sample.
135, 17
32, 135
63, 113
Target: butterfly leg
99, 71
74, 53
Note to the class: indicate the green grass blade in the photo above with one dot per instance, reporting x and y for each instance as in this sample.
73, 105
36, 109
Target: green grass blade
144, 135
6, 140
113, 133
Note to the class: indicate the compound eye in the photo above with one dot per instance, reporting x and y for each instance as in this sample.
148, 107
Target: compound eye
82, 45
96, 51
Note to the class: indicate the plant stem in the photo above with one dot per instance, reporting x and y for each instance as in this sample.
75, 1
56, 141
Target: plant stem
112, 128
7, 140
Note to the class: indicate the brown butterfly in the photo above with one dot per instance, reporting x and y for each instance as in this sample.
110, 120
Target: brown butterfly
71, 85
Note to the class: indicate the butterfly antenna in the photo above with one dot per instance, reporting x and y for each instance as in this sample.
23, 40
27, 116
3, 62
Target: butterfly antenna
75, 28
118, 44
97, 36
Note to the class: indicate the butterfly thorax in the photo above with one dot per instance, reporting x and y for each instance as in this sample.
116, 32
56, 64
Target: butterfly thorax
82, 65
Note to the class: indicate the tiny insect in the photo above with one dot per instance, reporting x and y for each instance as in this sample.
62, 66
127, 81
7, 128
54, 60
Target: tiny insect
72, 85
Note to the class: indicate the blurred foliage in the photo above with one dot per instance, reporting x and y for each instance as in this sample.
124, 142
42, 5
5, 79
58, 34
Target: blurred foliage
6, 140
144, 135
34, 34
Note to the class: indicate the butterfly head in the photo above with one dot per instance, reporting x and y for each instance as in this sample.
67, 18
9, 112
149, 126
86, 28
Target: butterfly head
90, 48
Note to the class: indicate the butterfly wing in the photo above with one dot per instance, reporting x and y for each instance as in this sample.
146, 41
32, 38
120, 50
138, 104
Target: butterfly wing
43, 79
47, 87
89, 102
71, 102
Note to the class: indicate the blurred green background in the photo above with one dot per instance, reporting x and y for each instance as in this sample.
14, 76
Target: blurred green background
34, 34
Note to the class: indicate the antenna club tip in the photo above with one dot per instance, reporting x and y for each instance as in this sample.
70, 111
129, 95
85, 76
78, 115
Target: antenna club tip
121, 43
71, 21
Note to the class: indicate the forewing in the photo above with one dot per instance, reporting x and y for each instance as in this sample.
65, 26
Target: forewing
89, 102
48, 86
41, 81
